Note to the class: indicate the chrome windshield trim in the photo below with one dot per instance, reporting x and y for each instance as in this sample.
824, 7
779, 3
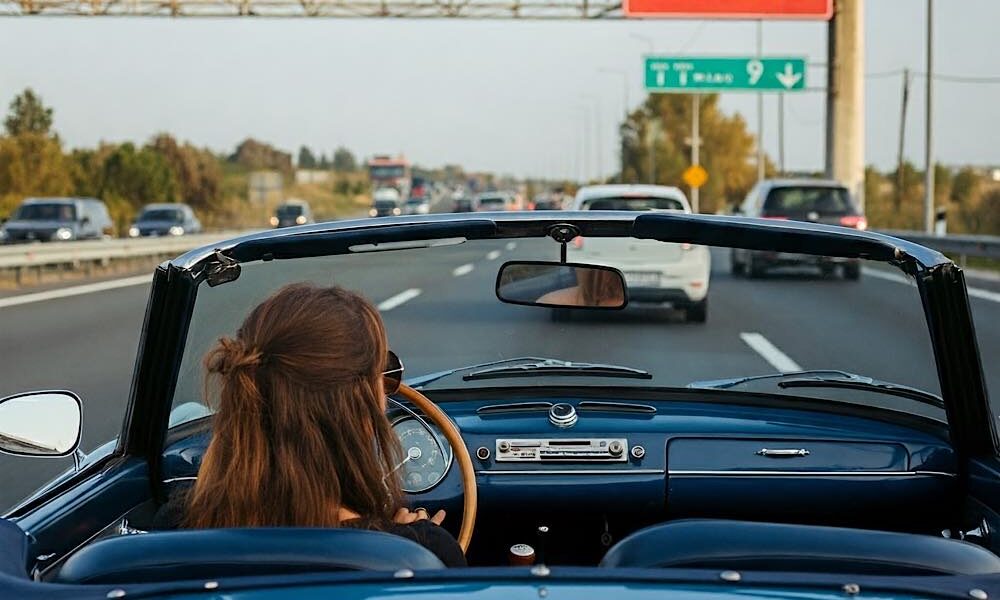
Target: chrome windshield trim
572, 472
791, 473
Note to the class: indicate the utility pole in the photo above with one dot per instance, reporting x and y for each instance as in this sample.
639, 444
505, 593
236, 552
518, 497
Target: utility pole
695, 144
831, 92
781, 133
846, 98
760, 109
929, 125
902, 135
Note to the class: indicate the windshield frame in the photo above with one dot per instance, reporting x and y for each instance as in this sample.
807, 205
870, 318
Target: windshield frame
940, 284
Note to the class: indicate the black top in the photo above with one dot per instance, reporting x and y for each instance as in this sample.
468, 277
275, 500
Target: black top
427, 534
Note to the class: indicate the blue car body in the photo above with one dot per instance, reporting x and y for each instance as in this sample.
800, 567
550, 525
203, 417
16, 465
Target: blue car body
893, 465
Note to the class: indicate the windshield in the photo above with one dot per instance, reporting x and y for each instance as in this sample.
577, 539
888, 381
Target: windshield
822, 200
633, 203
162, 214
436, 320
56, 211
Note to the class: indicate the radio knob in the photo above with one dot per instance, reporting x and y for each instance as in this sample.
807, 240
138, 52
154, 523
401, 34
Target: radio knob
504, 446
615, 448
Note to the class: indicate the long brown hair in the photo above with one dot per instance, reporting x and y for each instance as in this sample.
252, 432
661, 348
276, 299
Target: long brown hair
300, 429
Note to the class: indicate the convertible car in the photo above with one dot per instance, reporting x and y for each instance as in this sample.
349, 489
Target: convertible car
772, 452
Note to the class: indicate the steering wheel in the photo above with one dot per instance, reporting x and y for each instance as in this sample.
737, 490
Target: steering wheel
461, 455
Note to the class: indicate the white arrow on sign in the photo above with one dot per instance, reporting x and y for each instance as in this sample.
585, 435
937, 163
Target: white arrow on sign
789, 78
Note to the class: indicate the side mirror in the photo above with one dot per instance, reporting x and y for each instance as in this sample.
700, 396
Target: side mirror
40, 424
561, 285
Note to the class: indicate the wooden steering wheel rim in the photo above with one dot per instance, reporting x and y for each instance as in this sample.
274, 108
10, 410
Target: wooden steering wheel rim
461, 455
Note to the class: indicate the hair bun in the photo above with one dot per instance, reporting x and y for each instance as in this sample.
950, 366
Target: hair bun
234, 355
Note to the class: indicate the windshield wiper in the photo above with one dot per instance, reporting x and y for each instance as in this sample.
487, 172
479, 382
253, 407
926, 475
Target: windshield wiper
529, 370
828, 378
551, 366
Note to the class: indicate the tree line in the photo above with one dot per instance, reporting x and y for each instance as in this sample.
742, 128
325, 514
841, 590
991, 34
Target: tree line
655, 147
127, 176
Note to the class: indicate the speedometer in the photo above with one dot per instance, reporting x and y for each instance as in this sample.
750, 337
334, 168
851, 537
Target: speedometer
426, 456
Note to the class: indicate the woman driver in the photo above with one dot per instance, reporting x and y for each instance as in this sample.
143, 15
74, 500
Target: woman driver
300, 437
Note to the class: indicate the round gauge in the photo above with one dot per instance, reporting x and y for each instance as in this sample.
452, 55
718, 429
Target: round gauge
426, 455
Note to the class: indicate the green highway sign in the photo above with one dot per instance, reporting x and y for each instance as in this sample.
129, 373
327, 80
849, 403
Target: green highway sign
682, 74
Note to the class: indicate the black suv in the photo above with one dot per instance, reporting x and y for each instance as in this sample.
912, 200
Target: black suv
813, 200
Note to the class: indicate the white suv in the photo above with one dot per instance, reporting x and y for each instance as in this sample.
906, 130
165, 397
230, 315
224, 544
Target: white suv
658, 274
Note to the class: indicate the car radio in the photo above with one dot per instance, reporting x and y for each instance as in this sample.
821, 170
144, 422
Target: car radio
561, 450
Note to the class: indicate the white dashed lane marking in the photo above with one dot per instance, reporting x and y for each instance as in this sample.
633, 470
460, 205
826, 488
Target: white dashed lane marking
493, 255
511, 245
463, 270
973, 292
400, 298
76, 290
776, 358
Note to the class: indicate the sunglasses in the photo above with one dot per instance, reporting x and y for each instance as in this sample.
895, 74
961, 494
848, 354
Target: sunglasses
392, 377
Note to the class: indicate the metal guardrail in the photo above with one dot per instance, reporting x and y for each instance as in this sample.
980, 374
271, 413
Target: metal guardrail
51, 254
960, 247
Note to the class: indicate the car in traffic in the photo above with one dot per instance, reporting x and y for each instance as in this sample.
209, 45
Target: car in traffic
385, 203
811, 200
417, 206
165, 219
671, 276
463, 204
57, 220
492, 201
547, 203
580, 460
292, 212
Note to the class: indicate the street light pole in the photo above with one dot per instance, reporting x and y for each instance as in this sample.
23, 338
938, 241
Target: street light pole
695, 145
625, 108
760, 109
651, 175
929, 125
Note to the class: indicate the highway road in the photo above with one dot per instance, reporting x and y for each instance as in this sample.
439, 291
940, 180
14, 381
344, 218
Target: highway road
440, 312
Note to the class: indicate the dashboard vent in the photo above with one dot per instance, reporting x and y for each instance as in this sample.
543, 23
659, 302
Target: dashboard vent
499, 409
618, 407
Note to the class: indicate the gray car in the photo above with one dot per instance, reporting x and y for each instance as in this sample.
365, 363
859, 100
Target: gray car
812, 200
57, 220
165, 219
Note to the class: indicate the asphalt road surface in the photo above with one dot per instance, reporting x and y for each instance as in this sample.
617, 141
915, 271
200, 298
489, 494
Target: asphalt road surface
440, 313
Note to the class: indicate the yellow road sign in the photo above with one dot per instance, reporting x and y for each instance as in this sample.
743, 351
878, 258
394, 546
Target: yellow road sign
695, 176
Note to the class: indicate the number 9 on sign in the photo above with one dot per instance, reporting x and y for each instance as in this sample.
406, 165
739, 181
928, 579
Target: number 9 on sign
755, 70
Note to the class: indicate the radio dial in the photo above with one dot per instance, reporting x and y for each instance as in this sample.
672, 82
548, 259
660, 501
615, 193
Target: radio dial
504, 446
615, 448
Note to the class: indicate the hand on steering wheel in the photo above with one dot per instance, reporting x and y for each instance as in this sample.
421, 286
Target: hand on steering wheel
461, 455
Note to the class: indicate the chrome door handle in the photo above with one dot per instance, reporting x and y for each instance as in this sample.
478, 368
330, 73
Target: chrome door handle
782, 452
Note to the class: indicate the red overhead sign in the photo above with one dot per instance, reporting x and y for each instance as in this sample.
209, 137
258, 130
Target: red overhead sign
730, 9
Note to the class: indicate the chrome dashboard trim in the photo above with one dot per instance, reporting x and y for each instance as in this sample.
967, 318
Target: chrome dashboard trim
571, 472
499, 409
623, 407
792, 473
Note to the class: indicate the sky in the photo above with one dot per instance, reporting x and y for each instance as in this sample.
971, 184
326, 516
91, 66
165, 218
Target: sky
506, 96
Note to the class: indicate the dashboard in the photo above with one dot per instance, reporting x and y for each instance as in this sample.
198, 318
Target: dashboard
580, 451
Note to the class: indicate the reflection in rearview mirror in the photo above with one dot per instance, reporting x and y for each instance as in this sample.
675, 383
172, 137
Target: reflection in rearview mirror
564, 285
40, 424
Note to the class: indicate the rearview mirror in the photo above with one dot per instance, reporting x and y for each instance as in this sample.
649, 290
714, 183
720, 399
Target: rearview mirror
561, 285
40, 424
